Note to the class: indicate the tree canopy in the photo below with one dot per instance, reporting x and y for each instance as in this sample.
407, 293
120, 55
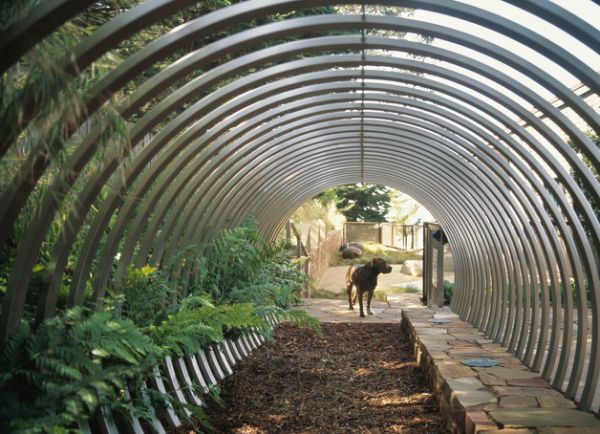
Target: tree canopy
362, 202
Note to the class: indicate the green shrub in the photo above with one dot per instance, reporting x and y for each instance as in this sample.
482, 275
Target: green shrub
62, 371
199, 323
146, 296
448, 291
240, 267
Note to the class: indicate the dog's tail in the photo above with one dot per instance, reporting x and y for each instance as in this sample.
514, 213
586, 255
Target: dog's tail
349, 276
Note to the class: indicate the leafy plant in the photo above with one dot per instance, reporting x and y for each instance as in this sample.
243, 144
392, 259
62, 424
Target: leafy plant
199, 323
77, 361
363, 202
145, 296
240, 267
448, 291
62, 371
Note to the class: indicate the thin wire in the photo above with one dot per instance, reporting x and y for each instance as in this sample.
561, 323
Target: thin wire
362, 96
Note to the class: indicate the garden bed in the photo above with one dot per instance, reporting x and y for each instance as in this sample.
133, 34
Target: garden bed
357, 378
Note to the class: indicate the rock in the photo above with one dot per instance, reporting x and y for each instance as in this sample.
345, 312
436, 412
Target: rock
351, 253
357, 245
412, 267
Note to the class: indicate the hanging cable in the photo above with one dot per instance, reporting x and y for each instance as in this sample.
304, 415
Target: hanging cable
362, 96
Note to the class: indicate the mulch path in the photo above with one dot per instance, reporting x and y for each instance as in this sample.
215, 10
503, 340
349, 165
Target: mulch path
358, 378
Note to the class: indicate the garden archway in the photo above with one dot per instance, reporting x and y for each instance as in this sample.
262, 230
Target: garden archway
238, 129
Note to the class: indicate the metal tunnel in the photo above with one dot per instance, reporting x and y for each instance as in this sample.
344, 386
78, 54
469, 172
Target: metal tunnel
268, 128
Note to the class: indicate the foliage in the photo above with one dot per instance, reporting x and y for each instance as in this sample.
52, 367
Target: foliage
406, 210
71, 364
62, 371
448, 291
596, 172
363, 202
145, 296
572, 286
319, 209
239, 267
199, 323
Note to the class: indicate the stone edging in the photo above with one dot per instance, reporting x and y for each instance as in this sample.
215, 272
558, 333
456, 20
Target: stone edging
507, 398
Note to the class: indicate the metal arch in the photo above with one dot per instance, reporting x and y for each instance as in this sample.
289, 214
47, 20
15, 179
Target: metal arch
586, 252
461, 262
219, 187
12, 207
95, 46
119, 29
446, 205
392, 181
242, 207
563, 19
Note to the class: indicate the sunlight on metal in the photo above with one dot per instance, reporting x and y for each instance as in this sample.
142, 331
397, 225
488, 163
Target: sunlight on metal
258, 131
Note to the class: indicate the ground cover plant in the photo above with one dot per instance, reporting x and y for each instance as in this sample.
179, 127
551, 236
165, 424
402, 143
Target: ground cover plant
57, 372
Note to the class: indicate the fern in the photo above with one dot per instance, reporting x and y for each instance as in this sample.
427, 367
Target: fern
298, 318
199, 323
53, 376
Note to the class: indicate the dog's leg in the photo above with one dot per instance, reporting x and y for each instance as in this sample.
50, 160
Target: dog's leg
370, 296
349, 291
354, 298
360, 302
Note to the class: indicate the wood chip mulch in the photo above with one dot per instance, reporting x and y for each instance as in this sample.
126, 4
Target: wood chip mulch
358, 378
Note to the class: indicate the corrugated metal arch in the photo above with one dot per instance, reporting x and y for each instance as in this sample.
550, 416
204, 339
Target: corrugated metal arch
312, 120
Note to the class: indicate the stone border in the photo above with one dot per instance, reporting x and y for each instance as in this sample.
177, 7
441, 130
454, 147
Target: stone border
507, 398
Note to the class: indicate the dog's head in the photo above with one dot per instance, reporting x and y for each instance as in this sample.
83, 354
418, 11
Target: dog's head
380, 265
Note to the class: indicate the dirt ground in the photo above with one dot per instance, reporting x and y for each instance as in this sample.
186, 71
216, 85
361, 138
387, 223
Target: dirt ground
357, 378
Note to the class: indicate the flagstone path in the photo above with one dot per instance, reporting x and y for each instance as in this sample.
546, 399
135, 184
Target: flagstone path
507, 398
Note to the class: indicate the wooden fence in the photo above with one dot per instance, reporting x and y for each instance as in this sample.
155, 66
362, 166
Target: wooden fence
404, 237
320, 255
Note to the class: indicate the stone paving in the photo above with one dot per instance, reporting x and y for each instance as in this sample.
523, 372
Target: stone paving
506, 398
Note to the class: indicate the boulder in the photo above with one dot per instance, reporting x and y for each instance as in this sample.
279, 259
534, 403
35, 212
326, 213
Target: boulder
357, 245
412, 267
351, 253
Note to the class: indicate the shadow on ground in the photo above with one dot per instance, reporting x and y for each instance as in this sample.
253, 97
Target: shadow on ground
358, 378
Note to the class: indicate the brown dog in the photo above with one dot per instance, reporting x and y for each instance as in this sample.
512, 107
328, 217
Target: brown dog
364, 277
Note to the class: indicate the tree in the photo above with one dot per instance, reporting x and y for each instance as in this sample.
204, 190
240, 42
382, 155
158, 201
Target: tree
588, 194
363, 202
